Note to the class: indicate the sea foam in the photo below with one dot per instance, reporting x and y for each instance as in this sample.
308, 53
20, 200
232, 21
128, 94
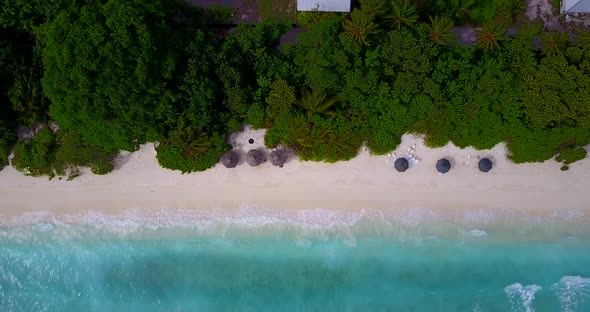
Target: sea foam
410, 224
521, 297
571, 291
478, 232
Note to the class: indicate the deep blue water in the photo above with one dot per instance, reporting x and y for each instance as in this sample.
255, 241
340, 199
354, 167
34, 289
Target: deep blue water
83, 268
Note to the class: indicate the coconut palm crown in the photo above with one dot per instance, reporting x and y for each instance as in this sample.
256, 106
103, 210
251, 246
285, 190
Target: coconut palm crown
360, 26
529, 31
554, 42
439, 29
315, 102
490, 36
401, 13
374, 7
584, 41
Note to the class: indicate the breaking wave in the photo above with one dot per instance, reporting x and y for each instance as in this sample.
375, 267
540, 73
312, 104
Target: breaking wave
571, 291
521, 297
402, 224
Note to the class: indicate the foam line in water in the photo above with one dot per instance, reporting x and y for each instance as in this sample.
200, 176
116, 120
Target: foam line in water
303, 226
403, 224
245, 216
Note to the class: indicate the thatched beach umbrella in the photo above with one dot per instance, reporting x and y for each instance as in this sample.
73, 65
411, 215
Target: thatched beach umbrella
255, 157
485, 165
230, 159
443, 165
401, 164
279, 157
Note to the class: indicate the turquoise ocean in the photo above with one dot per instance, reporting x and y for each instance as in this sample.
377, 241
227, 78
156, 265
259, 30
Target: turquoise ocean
371, 263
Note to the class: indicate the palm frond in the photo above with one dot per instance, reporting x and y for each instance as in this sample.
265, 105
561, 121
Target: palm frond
359, 26
528, 31
402, 13
584, 41
459, 8
314, 102
439, 29
511, 7
373, 7
193, 142
490, 36
554, 42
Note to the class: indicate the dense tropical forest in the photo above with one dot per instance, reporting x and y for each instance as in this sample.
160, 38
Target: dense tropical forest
93, 77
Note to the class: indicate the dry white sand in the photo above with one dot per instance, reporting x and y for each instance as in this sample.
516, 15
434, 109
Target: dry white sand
538, 190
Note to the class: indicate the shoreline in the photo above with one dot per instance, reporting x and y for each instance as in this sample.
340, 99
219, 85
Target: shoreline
367, 182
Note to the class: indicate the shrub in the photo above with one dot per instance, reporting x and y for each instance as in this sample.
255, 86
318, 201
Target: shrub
329, 145
172, 156
533, 145
281, 130
256, 116
35, 156
74, 151
569, 155
60, 154
388, 121
102, 167
280, 99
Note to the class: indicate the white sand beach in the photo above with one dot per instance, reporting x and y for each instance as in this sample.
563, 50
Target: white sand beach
538, 190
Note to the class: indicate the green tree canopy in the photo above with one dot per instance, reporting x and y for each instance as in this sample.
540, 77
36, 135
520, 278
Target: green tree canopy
407, 51
320, 58
200, 92
247, 64
26, 15
107, 69
556, 94
280, 98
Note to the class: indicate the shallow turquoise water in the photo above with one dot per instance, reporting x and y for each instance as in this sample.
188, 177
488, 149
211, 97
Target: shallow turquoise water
83, 268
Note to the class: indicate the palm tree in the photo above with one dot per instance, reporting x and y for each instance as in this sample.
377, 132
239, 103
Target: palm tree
314, 102
360, 26
300, 133
584, 41
511, 8
346, 142
489, 37
554, 42
528, 31
401, 13
193, 142
305, 135
439, 29
458, 9
373, 7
